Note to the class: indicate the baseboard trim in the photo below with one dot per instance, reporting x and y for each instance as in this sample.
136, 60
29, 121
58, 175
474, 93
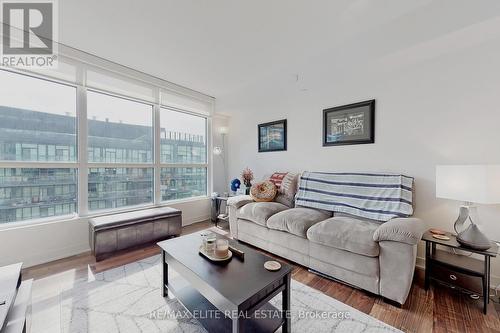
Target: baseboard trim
61, 253
195, 220
55, 254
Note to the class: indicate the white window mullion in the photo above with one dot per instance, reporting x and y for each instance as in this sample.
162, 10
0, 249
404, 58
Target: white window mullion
38, 165
209, 156
157, 155
81, 111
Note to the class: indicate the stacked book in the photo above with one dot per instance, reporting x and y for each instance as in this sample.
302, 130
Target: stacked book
15, 300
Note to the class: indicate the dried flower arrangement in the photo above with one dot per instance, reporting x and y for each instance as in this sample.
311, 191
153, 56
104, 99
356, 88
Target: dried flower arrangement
247, 176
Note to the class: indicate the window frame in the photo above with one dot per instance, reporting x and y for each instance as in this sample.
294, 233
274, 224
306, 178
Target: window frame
160, 165
81, 163
45, 164
92, 165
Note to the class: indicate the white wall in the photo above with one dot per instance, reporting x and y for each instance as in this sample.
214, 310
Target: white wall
37, 244
436, 104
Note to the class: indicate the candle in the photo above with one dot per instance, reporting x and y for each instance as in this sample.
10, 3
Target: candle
221, 248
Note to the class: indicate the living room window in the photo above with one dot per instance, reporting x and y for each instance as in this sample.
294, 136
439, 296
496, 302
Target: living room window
120, 135
184, 168
38, 145
80, 145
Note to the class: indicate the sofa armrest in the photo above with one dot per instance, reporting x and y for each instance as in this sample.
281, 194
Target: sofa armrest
239, 201
403, 230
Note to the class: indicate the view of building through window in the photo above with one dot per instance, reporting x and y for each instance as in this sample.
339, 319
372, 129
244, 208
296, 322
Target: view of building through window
119, 187
43, 128
36, 193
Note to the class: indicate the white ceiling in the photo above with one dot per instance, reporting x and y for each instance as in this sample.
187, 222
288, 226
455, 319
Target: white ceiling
230, 48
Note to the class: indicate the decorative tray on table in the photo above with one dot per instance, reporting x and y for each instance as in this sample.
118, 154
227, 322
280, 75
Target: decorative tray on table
214, 258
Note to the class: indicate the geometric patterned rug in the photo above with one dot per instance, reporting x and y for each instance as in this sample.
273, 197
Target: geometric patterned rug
127, 299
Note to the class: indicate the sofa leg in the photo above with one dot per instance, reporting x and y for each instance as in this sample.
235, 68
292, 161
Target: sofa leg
393, 303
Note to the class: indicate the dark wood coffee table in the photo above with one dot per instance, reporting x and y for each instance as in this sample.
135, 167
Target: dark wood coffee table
226, 297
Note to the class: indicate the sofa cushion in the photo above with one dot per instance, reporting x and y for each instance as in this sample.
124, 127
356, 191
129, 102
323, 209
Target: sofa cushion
296, 220
346, 233
283, 199
259, 212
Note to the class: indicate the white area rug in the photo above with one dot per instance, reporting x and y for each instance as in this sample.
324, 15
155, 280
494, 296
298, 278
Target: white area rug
122, 300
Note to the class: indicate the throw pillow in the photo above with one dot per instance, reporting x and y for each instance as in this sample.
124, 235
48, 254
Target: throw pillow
289, 185
283, 199
263, 192
277, 178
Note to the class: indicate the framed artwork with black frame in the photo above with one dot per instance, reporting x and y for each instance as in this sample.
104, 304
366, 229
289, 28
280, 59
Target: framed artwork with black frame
272, 136
350, 124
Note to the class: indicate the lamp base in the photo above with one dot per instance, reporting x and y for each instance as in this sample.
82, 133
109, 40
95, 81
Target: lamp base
471, 237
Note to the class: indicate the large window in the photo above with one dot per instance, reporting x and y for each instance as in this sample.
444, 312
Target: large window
120, 132
119, 187
36, 193
37, 128
37, 120
179, 183
76, 149
183, 155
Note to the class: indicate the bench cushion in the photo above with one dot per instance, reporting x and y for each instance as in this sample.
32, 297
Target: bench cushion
130, 218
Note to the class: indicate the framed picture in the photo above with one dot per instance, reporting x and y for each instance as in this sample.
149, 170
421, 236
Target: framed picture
349, 124
272, 136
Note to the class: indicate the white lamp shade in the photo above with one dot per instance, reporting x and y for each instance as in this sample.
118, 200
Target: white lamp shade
469, 183
223, 130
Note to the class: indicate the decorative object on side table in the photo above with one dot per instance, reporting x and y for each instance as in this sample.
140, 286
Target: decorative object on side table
470, 184
247, 176
219, 209
349, 124
235, 185
461, 272
435, 231
272, 136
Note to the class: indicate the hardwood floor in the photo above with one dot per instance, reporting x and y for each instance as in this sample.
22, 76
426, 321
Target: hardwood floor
437, 310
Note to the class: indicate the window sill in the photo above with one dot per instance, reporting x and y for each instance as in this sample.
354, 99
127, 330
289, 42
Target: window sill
76, 218
141, 207
35, 222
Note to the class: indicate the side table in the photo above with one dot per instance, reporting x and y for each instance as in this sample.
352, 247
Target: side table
465, 273
216, 208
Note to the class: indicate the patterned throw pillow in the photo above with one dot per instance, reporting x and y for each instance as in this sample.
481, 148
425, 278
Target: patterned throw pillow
289, 185
263, 192
277, 178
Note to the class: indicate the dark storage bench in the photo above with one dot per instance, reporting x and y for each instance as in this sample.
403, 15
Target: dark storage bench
111, 233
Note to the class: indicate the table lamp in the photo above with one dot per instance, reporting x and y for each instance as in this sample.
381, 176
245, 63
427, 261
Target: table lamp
471, 184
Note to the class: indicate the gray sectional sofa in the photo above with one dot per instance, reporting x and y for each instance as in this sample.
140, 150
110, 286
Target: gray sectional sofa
378, 257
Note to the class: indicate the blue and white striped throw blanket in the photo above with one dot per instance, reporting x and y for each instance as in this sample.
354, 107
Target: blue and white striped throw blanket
379, 197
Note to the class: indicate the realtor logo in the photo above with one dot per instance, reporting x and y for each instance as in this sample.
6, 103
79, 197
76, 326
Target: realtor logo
29, 33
